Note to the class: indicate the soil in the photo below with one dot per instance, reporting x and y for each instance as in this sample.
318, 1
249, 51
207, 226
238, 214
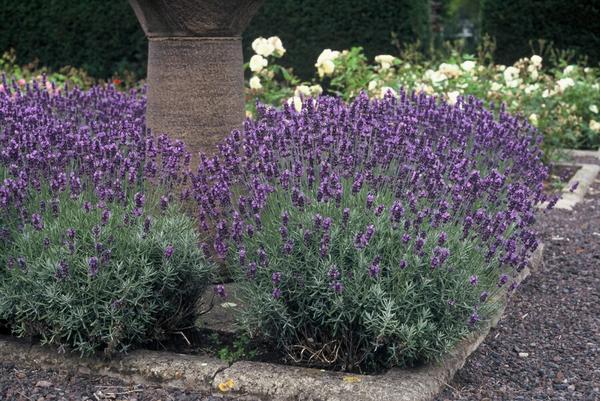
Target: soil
547, 347
559, 177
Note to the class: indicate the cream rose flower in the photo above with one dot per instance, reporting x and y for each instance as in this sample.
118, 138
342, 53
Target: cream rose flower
593, 108
255, 83
450, 70
385, 60
325, 65
468, 65
302, 90
452, 97
257, 63
536, 60
296, 102
565, 83
316, 90
263, 47
594, 125
533, 118
569, 70
279, 50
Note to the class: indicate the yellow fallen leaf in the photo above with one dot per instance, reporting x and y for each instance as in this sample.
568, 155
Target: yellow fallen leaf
226, 385
352, 379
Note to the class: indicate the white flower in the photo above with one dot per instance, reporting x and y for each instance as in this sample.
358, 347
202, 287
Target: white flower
452, 97
296, 102
536, 60
496, 86
565, 83
511, 76
325, 65
468, 65
255, 83
279, 50
385, 90
450, 70
529, 89
425, 88
435, 77
263, 47
385, 60
593, 108
547, 93
594, 125
249, 114
569, 69
257, 63
303, 90
372, 85
316, 90
534, 119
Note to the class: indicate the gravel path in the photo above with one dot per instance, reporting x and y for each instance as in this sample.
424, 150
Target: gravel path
546, 348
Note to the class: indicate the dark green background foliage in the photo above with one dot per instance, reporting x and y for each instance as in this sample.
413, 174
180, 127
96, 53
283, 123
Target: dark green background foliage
569, 24
309, 26
103, 36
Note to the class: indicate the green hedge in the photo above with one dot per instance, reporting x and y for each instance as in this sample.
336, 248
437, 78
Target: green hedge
309, 26
103, 36
569, 24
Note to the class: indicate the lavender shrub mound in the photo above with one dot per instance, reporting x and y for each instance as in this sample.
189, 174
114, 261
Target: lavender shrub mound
372, 234
95, 253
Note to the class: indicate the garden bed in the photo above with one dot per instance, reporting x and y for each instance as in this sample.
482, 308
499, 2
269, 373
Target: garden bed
266, 381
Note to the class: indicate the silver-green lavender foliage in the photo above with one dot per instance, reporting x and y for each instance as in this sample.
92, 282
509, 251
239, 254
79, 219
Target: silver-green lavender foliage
376, 233
101, 277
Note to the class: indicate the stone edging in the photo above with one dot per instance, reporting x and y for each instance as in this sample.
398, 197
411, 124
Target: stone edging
585, 176
265, 381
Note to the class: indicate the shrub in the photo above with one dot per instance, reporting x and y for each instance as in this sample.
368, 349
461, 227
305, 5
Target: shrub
516, 23
561, 101
81, 279
95, 252
372, 234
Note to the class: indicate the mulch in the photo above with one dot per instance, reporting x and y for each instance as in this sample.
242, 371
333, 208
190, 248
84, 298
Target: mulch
547, 347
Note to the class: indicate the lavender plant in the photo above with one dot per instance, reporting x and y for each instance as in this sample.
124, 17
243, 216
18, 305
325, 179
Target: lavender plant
95, 252
376, 233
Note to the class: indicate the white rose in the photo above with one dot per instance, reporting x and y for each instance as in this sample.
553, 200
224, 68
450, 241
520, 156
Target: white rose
510, 74
547, 93
529, 89
594, 125
568, 69
468, 65
435, 77
534, 75
533, 118
496, 86
255, 83
372, 85
316, 90
565, 83
385, 60
593, 108
425, 88
279, 50
257, 63
536, 60
452, 97
325, 65
263, 47
450, 70
296, 102
303, 90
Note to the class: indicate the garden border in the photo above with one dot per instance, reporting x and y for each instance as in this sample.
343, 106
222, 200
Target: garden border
264, 381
